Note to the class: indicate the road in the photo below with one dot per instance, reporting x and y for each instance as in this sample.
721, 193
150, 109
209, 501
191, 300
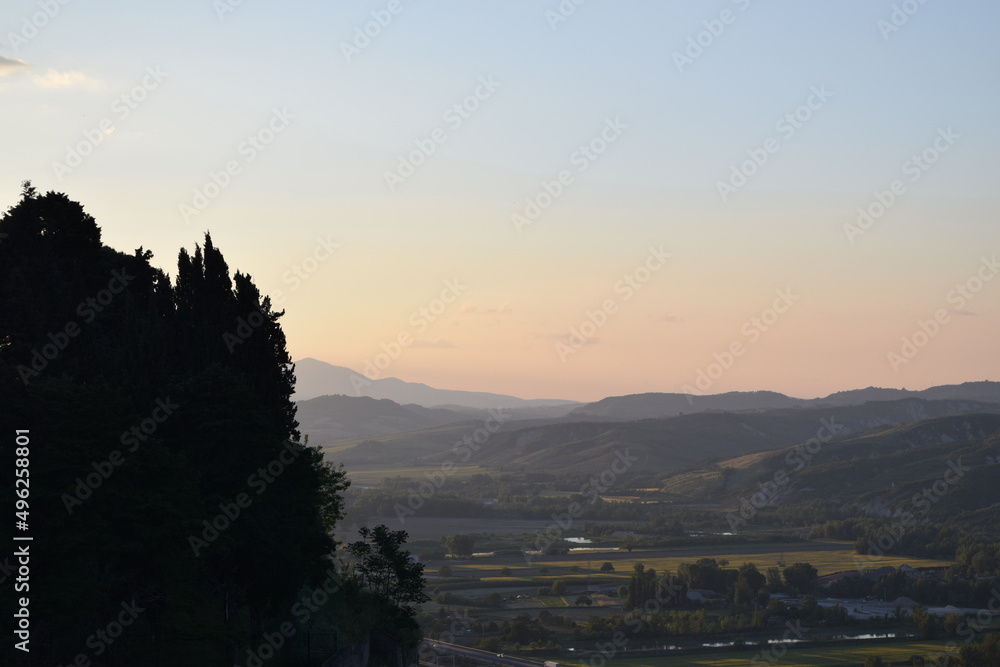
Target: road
428, 647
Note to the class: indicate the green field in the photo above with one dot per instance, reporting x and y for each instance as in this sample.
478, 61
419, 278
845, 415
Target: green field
825, 656
826, 562
830, 556
374, 474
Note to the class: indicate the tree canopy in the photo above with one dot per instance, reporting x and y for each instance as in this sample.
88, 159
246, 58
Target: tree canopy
167, 472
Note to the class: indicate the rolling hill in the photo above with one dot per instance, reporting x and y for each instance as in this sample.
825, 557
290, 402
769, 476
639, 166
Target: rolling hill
330, 418
671, 445
879, 472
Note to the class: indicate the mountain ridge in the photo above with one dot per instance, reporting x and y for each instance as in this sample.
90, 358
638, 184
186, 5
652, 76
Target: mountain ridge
315, 378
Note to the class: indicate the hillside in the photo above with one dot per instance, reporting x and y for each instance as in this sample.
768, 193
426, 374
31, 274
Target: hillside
658, 405
670, 445
880, 472
330, 418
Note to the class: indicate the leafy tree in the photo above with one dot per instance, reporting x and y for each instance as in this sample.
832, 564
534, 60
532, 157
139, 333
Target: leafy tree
583, 600
491, 644
801, 577
460, 545
986, 652
130, 343
607, 567
505, 571
385, 569
925, 621
444, 571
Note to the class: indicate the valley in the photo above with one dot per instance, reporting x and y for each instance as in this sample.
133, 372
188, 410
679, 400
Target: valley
550, 537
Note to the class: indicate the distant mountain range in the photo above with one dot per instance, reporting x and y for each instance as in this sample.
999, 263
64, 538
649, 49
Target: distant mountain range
659, 405
872, 449
317, 378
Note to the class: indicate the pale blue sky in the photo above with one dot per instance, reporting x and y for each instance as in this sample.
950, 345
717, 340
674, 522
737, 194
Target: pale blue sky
656, 184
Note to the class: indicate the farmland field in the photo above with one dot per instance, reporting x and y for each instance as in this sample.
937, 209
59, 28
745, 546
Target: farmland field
824, 656
826, 556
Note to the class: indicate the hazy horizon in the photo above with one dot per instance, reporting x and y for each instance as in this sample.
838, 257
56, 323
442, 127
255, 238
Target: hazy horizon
597, 397
784, 196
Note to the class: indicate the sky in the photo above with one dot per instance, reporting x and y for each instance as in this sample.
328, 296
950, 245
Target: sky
548, 199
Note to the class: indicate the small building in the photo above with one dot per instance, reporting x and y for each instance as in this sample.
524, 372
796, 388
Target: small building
703, 595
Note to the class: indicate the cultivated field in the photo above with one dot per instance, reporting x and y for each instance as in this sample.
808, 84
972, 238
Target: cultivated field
825, 656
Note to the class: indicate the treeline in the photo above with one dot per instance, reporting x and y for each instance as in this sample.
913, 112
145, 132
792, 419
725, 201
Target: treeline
531, 496
176, 517
975, 554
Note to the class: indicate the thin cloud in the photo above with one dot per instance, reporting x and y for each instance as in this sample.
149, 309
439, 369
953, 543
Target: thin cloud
53, 79
9, 67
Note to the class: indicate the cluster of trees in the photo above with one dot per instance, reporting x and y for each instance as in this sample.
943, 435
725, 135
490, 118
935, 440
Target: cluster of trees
167, 476
742, 586
975, 554
460, 546
951, 590
521, 496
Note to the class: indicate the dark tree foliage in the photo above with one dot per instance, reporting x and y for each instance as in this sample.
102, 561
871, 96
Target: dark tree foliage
167, 478
800, 576
392, 580
460, 545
